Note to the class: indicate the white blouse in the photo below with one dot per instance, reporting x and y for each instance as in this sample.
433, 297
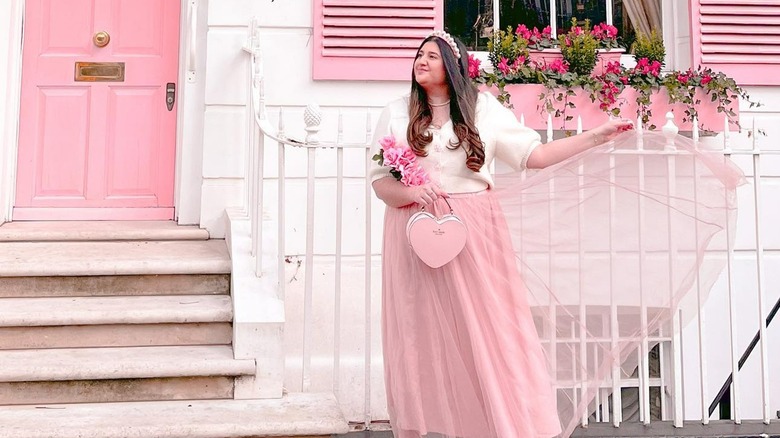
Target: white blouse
503, 135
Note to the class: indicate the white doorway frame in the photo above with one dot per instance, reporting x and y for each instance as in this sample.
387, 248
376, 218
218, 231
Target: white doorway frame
190, 110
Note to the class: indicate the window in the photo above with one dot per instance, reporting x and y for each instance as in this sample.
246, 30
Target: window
473, 20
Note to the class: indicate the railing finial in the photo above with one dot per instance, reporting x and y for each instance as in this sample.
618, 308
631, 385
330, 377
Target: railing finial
670, 130
312, 116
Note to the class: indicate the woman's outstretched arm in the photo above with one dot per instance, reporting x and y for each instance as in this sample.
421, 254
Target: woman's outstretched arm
556, 151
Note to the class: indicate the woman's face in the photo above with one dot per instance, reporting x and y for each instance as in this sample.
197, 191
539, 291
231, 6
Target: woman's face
429, 67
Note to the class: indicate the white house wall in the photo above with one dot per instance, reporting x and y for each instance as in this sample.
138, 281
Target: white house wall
285, 33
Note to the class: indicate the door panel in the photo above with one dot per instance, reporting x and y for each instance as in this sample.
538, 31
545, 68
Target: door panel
66, 26
130, 156
144, 17
62, 142
87, 146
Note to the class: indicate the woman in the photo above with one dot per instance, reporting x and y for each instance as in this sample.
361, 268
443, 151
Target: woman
443, 374
461, 351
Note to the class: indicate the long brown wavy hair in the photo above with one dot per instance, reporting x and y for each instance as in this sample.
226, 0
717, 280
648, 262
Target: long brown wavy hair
463, 102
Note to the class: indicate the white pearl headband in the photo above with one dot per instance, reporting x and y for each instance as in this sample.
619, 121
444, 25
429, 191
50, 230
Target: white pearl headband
447, 39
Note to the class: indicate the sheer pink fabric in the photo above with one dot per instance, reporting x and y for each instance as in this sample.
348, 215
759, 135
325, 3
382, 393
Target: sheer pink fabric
566, 271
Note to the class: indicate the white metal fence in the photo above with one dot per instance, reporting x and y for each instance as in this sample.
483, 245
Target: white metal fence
329, 237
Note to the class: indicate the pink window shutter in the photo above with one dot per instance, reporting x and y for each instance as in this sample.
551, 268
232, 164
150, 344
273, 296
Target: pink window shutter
739, 37
370, 39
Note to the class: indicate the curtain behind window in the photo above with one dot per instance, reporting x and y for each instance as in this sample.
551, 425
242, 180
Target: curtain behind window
645, 15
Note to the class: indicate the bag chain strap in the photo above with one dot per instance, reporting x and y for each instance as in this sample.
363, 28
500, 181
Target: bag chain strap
422, 208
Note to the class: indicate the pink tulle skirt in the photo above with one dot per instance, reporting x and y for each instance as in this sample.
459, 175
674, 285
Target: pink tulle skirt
565, 273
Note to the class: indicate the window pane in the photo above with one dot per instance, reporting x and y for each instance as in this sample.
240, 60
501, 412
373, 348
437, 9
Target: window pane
536, 13
469, 20
593, 10
532, 13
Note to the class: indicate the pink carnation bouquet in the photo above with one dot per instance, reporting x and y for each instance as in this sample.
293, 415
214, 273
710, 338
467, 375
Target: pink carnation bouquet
402, 162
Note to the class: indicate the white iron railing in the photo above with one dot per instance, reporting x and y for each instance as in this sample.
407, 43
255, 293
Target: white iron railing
337, 368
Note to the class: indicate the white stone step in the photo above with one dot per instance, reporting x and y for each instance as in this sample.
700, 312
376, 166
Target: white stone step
98, 230
117, 390
120, 363
36, 259
115, 335
109, 285
293, 415
26, 312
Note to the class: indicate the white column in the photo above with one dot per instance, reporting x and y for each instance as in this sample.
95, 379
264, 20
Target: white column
10, 88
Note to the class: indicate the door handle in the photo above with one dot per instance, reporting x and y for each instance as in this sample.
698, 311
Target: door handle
170, 95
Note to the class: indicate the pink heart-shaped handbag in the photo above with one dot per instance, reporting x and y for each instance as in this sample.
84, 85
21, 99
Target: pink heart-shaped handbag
436, 241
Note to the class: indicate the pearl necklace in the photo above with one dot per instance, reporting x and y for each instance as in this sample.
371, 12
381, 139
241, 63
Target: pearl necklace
439, 104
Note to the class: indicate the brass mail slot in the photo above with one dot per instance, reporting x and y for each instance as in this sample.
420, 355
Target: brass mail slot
100, 71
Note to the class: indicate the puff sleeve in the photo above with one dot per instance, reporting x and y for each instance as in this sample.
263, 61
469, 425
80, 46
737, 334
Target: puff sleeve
382, 129
513, 141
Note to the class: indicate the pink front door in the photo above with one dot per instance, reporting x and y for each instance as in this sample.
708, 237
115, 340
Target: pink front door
98, 141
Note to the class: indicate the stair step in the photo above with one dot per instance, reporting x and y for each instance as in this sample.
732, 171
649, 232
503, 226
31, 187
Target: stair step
293, 415
115, 335
120, 363
58, 231
36, 259
27, 312
116, 390
112, 312
109, 285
